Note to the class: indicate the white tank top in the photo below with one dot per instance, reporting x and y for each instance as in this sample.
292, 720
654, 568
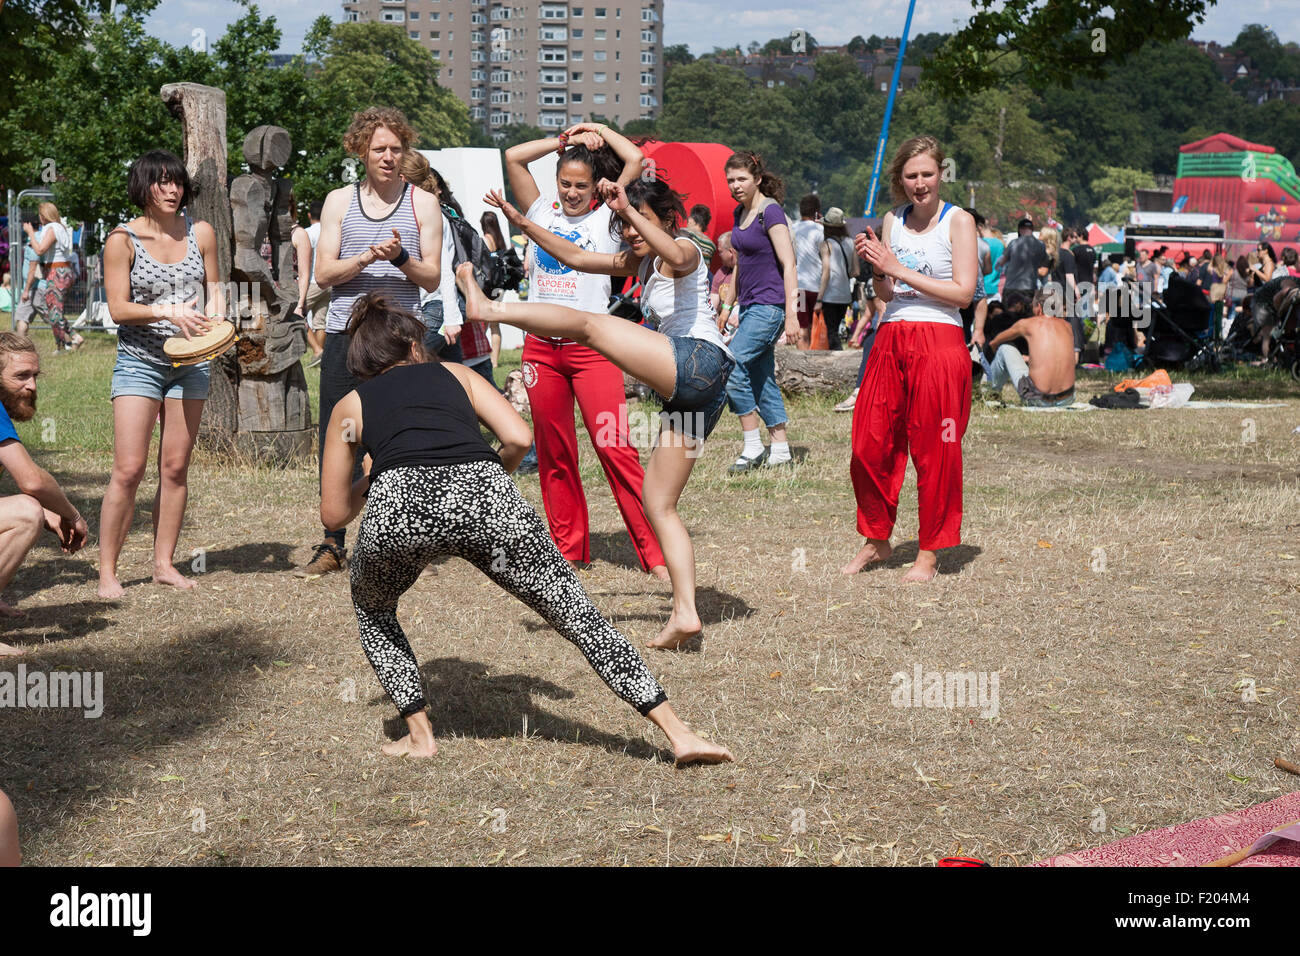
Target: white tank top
680, 307
929, 254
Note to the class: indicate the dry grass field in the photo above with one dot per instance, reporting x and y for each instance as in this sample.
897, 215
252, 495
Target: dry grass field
1127, 575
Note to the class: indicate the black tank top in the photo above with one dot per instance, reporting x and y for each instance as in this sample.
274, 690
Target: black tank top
419, 415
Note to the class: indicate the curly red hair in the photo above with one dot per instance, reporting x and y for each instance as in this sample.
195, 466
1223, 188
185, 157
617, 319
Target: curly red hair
364, 123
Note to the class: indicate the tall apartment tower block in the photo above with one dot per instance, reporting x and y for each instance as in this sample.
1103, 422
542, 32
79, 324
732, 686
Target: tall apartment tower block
547, 63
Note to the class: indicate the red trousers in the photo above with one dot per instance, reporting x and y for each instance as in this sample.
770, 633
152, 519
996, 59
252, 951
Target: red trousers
915, 396
554, 375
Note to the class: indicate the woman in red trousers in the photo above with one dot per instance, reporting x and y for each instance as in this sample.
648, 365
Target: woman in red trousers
916, 392
556, 371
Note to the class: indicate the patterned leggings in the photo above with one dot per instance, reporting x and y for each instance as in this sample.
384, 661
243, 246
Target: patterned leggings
58, 282
474, 511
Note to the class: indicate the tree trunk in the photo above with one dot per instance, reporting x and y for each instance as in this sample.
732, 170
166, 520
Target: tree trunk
816, 372
202, 112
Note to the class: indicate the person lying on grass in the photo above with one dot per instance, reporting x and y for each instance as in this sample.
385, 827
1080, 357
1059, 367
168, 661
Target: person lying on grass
435, 488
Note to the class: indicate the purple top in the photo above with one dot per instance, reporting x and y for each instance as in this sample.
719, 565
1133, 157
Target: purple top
760, 271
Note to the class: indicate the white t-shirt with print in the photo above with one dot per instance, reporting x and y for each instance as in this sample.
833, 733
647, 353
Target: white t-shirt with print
61, 249
552, 281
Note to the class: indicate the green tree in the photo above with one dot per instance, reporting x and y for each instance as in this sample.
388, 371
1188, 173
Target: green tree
783, 46
709, 102
1113, 190
677, 54
923, 46
1055, 42
858, 46
1273, 59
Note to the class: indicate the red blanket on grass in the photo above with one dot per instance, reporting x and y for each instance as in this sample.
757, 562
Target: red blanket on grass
1200, 841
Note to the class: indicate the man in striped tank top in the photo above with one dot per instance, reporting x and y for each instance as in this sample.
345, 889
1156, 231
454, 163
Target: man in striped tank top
372, 235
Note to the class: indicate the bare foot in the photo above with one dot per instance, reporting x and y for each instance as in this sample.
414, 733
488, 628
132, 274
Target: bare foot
170, 575
873, 552
8, 650
409, 747
475, 300
8, 610
579, 565
661, 572
689, 748
110, 589
925, 568
676, 633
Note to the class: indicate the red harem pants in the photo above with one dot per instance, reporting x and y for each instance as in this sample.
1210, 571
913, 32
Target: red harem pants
554, 375
915, 396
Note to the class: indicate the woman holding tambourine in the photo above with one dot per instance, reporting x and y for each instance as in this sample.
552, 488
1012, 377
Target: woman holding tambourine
157, 268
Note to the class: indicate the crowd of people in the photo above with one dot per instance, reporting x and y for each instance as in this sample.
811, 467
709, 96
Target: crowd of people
402, 322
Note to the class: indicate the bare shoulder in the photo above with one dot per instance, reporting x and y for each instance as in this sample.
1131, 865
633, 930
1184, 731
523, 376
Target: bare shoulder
424, 201
336, 203
204, 232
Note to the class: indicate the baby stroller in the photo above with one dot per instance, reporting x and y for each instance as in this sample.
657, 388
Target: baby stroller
1181, 334
1285, 351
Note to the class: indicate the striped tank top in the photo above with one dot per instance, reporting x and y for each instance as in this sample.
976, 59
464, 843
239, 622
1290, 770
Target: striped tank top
360, 232
160, 283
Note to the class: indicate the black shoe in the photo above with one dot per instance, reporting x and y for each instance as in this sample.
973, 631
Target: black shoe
744, 464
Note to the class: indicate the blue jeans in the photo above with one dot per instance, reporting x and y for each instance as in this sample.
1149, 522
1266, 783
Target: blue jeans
1008, 365
752, 385
701, 390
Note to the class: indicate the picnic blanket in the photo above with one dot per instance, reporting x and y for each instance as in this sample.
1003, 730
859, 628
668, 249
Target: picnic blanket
1199, 841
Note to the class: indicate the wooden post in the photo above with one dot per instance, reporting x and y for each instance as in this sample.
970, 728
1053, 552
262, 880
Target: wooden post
202, 112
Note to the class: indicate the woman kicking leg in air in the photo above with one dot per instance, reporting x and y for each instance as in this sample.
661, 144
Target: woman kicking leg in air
685, 361
436, 488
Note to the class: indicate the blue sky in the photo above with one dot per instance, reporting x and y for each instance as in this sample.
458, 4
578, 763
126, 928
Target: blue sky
723, 23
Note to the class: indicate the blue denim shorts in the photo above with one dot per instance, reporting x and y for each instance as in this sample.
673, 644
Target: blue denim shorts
701, 391
135, 376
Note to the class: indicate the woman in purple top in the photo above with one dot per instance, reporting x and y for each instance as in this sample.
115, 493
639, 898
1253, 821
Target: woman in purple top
766, 289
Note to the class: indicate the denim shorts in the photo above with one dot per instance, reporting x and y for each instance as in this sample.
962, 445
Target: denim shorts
135, 376
701, 391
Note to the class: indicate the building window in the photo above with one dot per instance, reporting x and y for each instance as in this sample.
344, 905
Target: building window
618, 13
415, 14
435, 34
647, 36
393, 16
598, 55
477, 36
500, 96
551, 120
598, 77
616, 97
647, 79
552, 98
577, 34
477, 112
475, 56
435, 16
618, 34
414, 34
575, 98
618, 54
648, 101
477, 19
553, 34
476, 94
649, 16
550, 76
577, 56
553, 12
576, 11
551, 55
577, 77
648, 58
598, 98
599, 35
352, 16
600, 13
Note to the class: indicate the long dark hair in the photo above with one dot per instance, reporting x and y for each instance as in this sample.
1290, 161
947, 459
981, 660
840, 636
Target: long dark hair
382, 334
665, 202
769, 183
489, 226
603, 163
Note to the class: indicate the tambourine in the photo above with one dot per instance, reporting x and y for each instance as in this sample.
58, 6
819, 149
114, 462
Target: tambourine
200, 348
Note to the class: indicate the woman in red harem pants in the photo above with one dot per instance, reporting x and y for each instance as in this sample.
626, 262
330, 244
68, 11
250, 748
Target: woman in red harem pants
556, 371
916, 392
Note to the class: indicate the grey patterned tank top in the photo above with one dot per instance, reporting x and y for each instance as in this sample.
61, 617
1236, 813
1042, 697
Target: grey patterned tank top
160, 283
359, 233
